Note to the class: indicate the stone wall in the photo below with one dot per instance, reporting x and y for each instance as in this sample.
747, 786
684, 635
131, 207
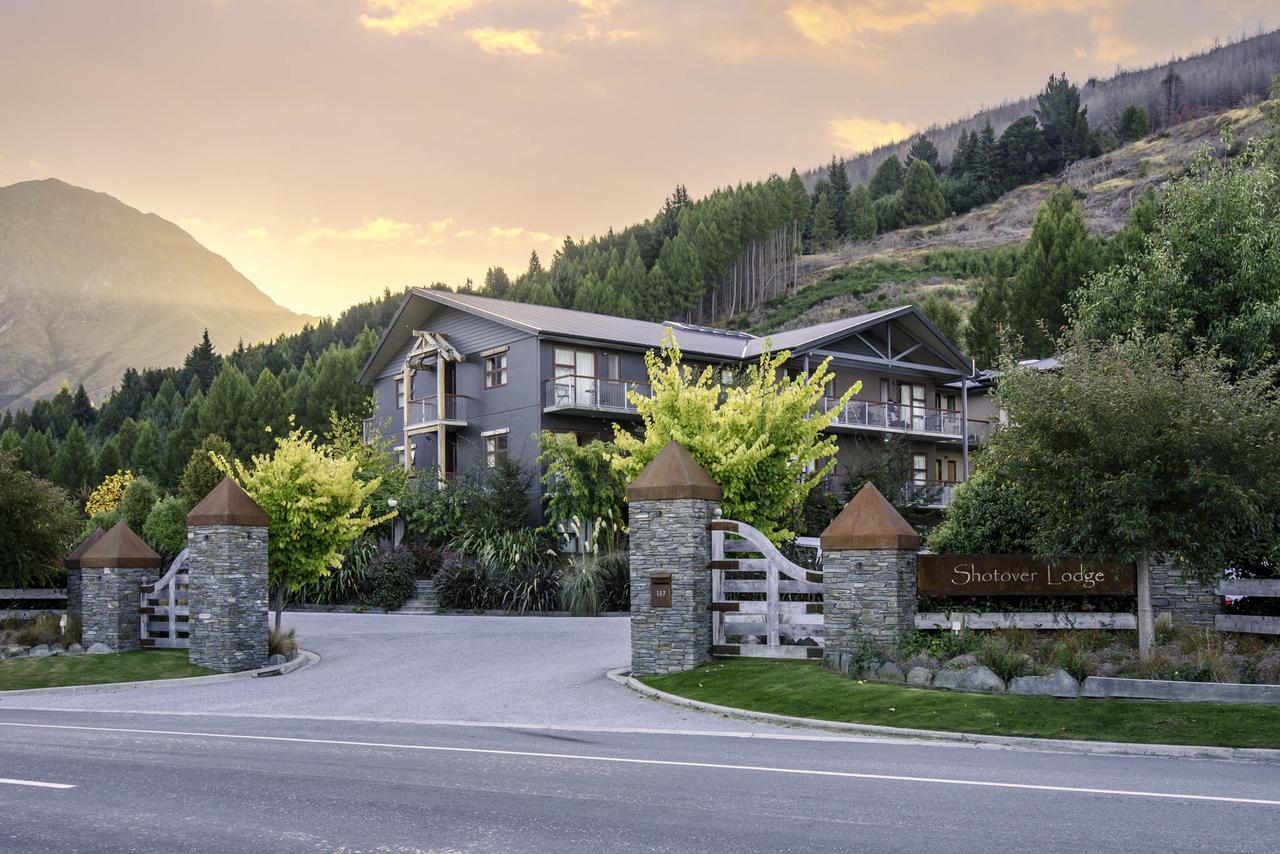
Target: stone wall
228, 596
1190, 602
75, 592
110, 599
868, 594
671, 537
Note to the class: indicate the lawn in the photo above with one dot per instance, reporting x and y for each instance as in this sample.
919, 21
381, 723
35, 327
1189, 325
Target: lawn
805, 689
55, 670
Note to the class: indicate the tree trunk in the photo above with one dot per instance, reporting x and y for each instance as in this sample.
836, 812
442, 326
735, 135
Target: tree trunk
1146, 620
277, 604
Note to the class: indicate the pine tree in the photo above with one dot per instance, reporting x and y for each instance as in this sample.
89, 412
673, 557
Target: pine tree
860, 214
1133, 124
82, 408
986, 155
887, 178
922, 199
823, 232
1128, 242
1064, 122
270, 414
126, 437
1022, 155
922, 148
10, 442
108, 462
1054, 263
838, 182
963, 159
496, 283
74, 464
182, 440
226, 407
201, 475
990, 314
146, 451
37, 452
202, 363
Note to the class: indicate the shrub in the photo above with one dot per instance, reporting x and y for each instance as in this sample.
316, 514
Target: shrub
166, 527
940, 646
1002, 658
390, 579
139, 497
581, 586
44, 629
464, 583
345, 584
282, 641
1073, 660
426, 559
37, 527
615, 581
106, 497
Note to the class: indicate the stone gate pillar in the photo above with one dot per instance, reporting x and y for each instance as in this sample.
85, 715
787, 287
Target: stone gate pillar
868, 575
227, 565
112, 572
75, 596
672, 503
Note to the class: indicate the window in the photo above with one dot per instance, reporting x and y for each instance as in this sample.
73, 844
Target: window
951, 472
945, 402
413, 453
884, 391
919, 468
495, 370
495, 448
937, 464
400, 393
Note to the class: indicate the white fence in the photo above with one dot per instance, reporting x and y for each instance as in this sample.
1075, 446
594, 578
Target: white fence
1263, 588
163, 610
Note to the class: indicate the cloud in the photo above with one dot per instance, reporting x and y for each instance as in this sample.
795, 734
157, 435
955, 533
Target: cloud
37, 165
464, 233
259, 233
506, 233
377, 230
518, 42
863, 134
411, 16
837, 22
595, 8
436, 232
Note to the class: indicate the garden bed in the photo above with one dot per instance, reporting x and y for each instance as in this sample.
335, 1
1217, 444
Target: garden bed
807, 690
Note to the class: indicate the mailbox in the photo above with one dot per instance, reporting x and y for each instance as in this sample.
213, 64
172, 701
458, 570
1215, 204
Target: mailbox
660, 590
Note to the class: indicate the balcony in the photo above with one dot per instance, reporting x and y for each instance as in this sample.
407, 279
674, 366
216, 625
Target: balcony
575, 393
933, 494
425, 412
370, 431
891, 417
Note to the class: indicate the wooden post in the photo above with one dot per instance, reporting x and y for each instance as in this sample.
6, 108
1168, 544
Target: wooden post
407, 380
440, 413
1146, 620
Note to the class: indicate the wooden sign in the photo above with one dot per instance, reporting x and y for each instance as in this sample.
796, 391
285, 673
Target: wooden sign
1021, 575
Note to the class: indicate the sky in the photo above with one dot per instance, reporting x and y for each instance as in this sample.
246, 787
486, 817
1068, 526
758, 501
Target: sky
332, 148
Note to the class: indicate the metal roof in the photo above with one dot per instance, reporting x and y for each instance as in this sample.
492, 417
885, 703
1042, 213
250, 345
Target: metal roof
724, 344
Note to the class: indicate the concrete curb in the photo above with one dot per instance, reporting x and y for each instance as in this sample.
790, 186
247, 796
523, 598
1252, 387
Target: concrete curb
305, 658
1102, 748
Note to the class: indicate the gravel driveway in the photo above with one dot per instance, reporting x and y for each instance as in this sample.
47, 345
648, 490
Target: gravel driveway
539, 670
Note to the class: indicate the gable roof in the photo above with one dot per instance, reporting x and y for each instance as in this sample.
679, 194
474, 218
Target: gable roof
704, 341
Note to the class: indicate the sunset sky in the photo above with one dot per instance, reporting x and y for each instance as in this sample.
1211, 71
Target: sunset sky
330, 148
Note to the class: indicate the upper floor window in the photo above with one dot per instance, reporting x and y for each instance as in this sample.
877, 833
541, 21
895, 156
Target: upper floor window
400, 393
495, 370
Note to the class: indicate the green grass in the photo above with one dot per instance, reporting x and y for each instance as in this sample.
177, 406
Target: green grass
805, 689
52, 671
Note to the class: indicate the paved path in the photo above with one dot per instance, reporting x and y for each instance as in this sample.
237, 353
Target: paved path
541, 670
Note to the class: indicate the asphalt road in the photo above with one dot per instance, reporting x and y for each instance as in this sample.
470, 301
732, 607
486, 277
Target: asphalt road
159, 783
503, 734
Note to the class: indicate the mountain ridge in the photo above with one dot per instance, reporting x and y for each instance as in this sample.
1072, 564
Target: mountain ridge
90, 285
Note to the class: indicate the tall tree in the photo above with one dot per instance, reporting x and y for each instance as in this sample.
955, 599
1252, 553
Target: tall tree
887, 178
860, 214
823, 232
74, 463
270, 414
922, 199
227, 407
1022, 156
922, 148
1133, 124
82, 408
1064, 122
202, 363
838, 181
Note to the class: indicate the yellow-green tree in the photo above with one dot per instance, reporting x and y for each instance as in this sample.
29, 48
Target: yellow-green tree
317, 505
761, 439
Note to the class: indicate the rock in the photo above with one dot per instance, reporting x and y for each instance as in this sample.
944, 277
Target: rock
276, 659
981, 679
837, 661
949, 679
1059, 683
890, 672
15, 651
960, 662
869, 672
99, 649
56, 649
39, 651
919, 676
75, 649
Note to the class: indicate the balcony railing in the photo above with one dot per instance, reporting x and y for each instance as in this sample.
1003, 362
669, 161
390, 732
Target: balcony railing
929, 493
582, 392
426, 410
904, 418
370, 431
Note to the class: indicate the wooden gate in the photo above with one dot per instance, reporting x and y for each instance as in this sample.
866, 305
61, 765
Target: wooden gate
164, 611
762, 604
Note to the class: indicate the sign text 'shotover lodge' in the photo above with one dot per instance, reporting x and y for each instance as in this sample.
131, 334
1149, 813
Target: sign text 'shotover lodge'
1021, 575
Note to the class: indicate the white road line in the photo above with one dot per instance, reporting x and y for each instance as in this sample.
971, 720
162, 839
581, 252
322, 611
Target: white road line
36, 783
670, 763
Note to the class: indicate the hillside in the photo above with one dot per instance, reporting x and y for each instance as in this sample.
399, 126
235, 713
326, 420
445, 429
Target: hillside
90, 286
905, 265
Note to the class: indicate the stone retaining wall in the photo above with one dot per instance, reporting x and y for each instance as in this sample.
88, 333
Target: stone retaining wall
1189, 602
109, 614
228, 597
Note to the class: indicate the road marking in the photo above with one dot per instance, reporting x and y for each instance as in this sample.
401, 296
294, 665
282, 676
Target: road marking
36, 783
669, 763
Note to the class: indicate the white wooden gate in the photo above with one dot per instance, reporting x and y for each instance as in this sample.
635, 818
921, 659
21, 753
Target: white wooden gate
163, 611
763, 606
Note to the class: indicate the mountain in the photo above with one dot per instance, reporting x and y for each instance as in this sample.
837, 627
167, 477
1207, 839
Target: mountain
90, 286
